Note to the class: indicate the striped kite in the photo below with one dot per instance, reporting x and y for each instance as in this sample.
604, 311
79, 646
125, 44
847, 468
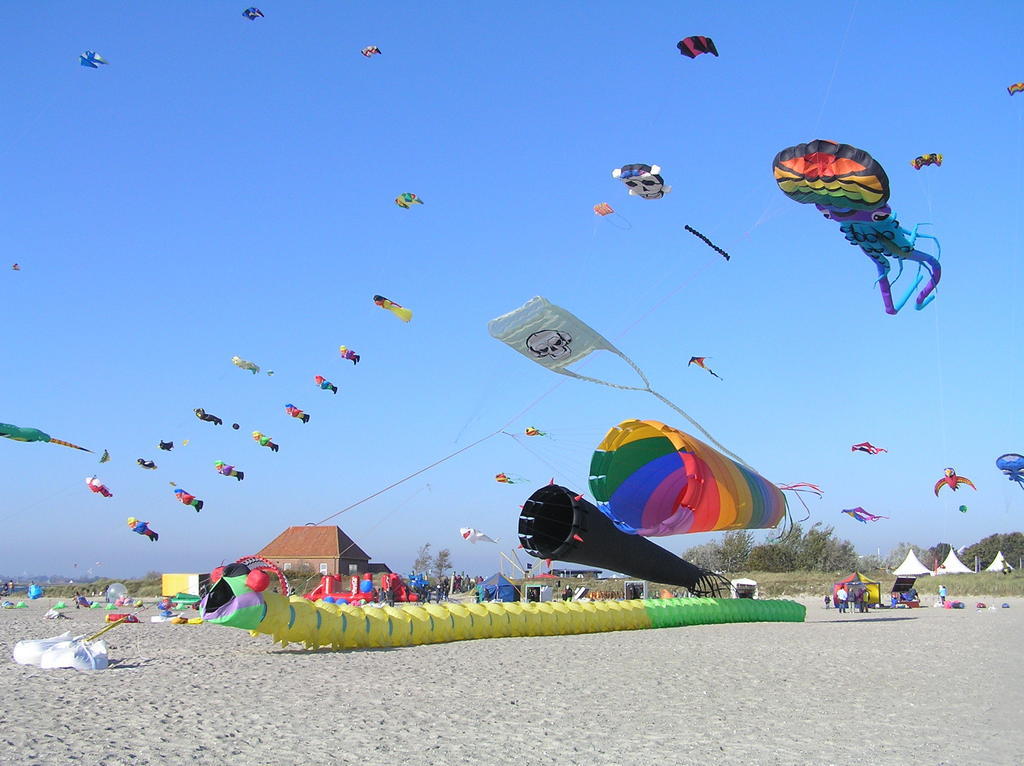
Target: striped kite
19, 434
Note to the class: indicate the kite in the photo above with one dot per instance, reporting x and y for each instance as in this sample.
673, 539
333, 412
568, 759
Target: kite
399, 311
802, 486
19, 434
92, 60
295, 412
707, 242
502, 478
475, 536
531, 431
618, 220
97, 487
15, 267
187, 499
555, 339
253, 13
105, 457
147, 464
244, 364
699, 361
868, 447
1017, 87
691, 47
1012, 465
848, 186
325, 384
202, 415
142, 528
926, 159
166, 446
227, 470
643, 180
370, 50
652, 480
264, 441
407, 200
962, 509
952, 481
347, 353
861, 515
603, 209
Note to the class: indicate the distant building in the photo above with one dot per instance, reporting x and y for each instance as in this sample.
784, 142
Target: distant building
592, 573
327, 550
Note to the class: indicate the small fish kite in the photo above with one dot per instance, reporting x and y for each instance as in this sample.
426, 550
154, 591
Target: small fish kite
475, 536
868, 447
407, 200
861, 515
142, 528
252, 13
264, 441
952, 481
228, 470
531, 431
92, 60
105, 457
347, 353
1012, 465
370, 50
97, 487
402, 313
1017, 87
149, 465
295, 412
325, 384
603, 209
187, 499
691, 47
19, 434
644, 181
926, 159
502, 478
707, 242
207, 418
244, 364
699, 361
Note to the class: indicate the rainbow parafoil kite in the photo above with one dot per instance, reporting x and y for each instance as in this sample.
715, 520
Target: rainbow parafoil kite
1017, 87
848, 186
651, 479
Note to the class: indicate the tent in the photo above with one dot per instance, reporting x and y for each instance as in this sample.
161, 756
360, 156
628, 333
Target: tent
952, 565
497, 587
857, 581
999, 564
911, 566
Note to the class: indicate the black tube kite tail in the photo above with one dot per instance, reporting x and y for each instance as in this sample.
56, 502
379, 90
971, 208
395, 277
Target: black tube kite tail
707, 242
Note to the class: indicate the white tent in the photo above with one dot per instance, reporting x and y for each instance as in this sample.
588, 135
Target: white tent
911, 566
953, 565
999, 564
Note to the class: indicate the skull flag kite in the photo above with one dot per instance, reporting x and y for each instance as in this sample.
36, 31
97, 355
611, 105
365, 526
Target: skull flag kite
849, 187
554, 338
643, 181
653, 480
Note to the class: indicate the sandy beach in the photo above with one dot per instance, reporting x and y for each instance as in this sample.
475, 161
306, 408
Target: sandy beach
923, 687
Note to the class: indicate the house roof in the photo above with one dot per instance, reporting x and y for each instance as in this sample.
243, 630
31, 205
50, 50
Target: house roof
313, 542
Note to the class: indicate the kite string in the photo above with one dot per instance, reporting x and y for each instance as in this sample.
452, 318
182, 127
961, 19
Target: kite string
835, 66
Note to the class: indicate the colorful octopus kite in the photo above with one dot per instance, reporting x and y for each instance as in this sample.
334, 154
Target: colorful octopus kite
952, 481
848, 186
868, 447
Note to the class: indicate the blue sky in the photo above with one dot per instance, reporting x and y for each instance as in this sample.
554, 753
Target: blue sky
225, 187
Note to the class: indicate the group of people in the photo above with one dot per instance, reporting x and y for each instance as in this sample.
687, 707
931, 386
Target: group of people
844, 599
7, 588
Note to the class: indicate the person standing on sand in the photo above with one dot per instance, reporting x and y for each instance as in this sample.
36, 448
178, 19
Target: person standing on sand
942, 594
841, 596
828, 601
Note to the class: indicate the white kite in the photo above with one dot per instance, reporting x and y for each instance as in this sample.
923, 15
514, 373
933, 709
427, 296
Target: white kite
475, 536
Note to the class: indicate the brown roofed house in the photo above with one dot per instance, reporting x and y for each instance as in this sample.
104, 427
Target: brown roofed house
327, 550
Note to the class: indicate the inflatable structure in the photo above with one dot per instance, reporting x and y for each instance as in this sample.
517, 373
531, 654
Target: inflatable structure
237, 599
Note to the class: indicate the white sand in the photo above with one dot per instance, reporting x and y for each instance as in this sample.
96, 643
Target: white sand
917, 687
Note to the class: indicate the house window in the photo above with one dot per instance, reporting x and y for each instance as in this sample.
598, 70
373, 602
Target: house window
286, 566
323, 568
353, 569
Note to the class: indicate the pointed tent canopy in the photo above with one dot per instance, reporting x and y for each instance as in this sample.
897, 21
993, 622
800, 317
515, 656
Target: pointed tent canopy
872, 587
911, 566
953, 565
999, 564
